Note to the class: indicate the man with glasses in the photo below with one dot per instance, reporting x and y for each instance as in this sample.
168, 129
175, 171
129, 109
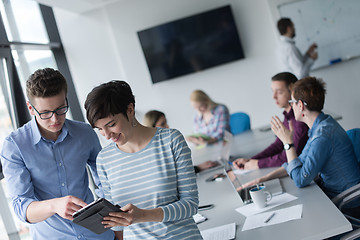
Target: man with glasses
274, 155
44, 162
49, 114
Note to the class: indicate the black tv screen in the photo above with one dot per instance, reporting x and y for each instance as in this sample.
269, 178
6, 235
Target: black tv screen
191, 44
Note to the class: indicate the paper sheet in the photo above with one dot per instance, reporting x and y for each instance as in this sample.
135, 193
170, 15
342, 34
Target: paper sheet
199, 218
281, 216
223, 232
241, 171
251, 209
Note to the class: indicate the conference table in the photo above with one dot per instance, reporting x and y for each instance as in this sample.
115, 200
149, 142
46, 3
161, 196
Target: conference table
320, 217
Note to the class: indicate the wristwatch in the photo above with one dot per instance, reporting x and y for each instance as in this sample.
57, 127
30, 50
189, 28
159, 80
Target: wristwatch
287, 146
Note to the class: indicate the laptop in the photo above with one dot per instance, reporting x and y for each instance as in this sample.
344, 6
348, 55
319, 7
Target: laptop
272, 186
226, 148
224, 154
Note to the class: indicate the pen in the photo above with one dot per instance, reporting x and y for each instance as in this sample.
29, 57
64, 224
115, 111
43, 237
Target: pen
270, 217
206, 207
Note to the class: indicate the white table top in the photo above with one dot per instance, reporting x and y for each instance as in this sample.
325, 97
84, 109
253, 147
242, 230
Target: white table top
320, 219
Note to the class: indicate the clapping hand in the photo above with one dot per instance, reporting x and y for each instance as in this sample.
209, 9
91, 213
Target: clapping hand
284, 134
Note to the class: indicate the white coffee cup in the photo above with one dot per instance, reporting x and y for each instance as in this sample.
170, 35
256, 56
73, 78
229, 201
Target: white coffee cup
260, 196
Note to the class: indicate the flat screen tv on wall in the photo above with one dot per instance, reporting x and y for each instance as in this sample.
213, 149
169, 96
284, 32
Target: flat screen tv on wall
191, 44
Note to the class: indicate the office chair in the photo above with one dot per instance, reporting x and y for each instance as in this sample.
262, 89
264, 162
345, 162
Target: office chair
352, 193
351, 235
239, 122
354, 135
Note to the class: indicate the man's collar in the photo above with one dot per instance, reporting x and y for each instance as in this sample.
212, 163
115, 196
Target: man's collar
289, 114
287, 39
36, 137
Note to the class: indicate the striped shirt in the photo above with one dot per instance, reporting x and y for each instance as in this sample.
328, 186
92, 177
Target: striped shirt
159, 175
216, 126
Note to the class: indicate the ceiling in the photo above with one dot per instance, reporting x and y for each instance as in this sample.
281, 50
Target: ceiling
78, 6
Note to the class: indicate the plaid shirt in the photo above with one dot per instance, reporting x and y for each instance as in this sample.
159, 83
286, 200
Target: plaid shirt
217, 124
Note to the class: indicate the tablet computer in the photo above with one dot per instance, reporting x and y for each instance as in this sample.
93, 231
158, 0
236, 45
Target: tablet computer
92, 215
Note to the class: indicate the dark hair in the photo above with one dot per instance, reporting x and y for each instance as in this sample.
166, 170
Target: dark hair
152, 117
283, 24
108, 99
286, 77
45, 82
312, 91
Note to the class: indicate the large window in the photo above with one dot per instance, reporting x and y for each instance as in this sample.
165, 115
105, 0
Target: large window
10, 227
6, 127
27, 36
29, 40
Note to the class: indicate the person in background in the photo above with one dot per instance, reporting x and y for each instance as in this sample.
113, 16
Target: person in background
328, 155
148, 171
273, 155
211, 119
156, 118
44, 163
291, 59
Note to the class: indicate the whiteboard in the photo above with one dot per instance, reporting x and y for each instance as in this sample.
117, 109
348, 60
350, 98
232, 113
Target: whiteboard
333, 24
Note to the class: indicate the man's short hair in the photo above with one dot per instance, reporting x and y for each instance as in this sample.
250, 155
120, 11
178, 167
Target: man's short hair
286, 77
44, 83
312, 91
108, 99
283, 24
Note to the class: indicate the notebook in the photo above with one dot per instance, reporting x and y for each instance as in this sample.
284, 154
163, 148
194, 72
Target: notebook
273, 186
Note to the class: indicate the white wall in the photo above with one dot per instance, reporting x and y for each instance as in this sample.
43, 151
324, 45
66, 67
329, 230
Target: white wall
89, 48
102, 45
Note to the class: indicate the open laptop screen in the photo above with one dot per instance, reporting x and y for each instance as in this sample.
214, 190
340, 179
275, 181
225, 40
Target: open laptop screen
272, 186
244, 193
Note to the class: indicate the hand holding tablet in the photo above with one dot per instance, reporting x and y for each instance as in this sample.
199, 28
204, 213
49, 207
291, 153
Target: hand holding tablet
92, 215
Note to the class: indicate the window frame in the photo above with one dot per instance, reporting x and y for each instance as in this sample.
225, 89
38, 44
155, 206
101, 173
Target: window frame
21, 115
14, 94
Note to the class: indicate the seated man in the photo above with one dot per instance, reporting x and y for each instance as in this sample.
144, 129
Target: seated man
274, 156
328, 154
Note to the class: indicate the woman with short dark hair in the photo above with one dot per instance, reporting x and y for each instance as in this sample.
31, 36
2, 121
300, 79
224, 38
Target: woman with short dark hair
148, 171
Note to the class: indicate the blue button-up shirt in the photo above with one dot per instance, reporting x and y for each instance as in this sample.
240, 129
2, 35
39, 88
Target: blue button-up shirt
38, 169
329, 153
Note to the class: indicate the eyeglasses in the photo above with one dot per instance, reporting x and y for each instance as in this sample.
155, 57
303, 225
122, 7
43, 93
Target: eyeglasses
296, 101
49, 114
